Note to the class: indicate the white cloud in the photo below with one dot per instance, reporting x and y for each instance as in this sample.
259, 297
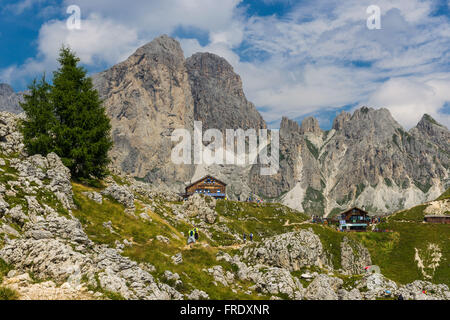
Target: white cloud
310, 66
20, 6
409, 98
156, 17
301, 63
99, 41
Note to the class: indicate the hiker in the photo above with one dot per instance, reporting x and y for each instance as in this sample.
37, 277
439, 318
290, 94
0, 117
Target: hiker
196, 233
191, 238
251, 236
400, 297
245, 237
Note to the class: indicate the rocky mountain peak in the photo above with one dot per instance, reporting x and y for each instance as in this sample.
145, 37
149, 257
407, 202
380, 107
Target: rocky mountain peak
288, 126
311, 124
287, 123
147, 97
367, 113
338, 122
430, 129
161, 45
210, 64
376, 123
219, 99
428, 122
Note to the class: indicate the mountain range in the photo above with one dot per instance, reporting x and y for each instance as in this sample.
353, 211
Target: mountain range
367, 159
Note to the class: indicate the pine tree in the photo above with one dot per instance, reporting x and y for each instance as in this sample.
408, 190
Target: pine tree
82, 137
68, 118
37, 130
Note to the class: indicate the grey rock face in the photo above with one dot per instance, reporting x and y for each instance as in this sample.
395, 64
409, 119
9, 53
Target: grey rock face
310, 124
198, 295
292, 251
273, 280
219, 100
323, 287
354, 257
226, 278
414, 291
94, 196
147, 97
120, 193
38, 168
10, 138
353, 294
156, 91
47, 258
9, 99
202, 207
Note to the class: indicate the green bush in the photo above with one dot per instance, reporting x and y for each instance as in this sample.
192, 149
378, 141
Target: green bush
8, 294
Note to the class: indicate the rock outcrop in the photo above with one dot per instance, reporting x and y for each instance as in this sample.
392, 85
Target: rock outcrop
324, 287
292, 251
10, 138
47, 290
202, 207
121, 194
354, 257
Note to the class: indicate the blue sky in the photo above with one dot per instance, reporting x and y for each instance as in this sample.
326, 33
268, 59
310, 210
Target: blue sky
296, 58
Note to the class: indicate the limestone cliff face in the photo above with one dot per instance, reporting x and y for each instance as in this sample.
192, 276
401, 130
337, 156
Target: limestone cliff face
147, 97
220, 103
156, 91
367, 159
9, 99
219, 99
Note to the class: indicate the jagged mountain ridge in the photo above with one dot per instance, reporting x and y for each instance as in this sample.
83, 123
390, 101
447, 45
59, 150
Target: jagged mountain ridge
366, 159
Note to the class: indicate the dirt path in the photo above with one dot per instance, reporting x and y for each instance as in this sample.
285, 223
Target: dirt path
287, 224
233, 246
205, 245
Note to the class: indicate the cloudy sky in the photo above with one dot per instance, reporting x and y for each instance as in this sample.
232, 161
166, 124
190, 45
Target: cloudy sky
296, 58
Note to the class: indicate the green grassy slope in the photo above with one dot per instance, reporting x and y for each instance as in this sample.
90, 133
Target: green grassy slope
395, 252
263, 220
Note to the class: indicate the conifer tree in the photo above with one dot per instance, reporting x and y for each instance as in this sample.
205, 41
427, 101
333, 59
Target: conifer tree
37, 130
80, 130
